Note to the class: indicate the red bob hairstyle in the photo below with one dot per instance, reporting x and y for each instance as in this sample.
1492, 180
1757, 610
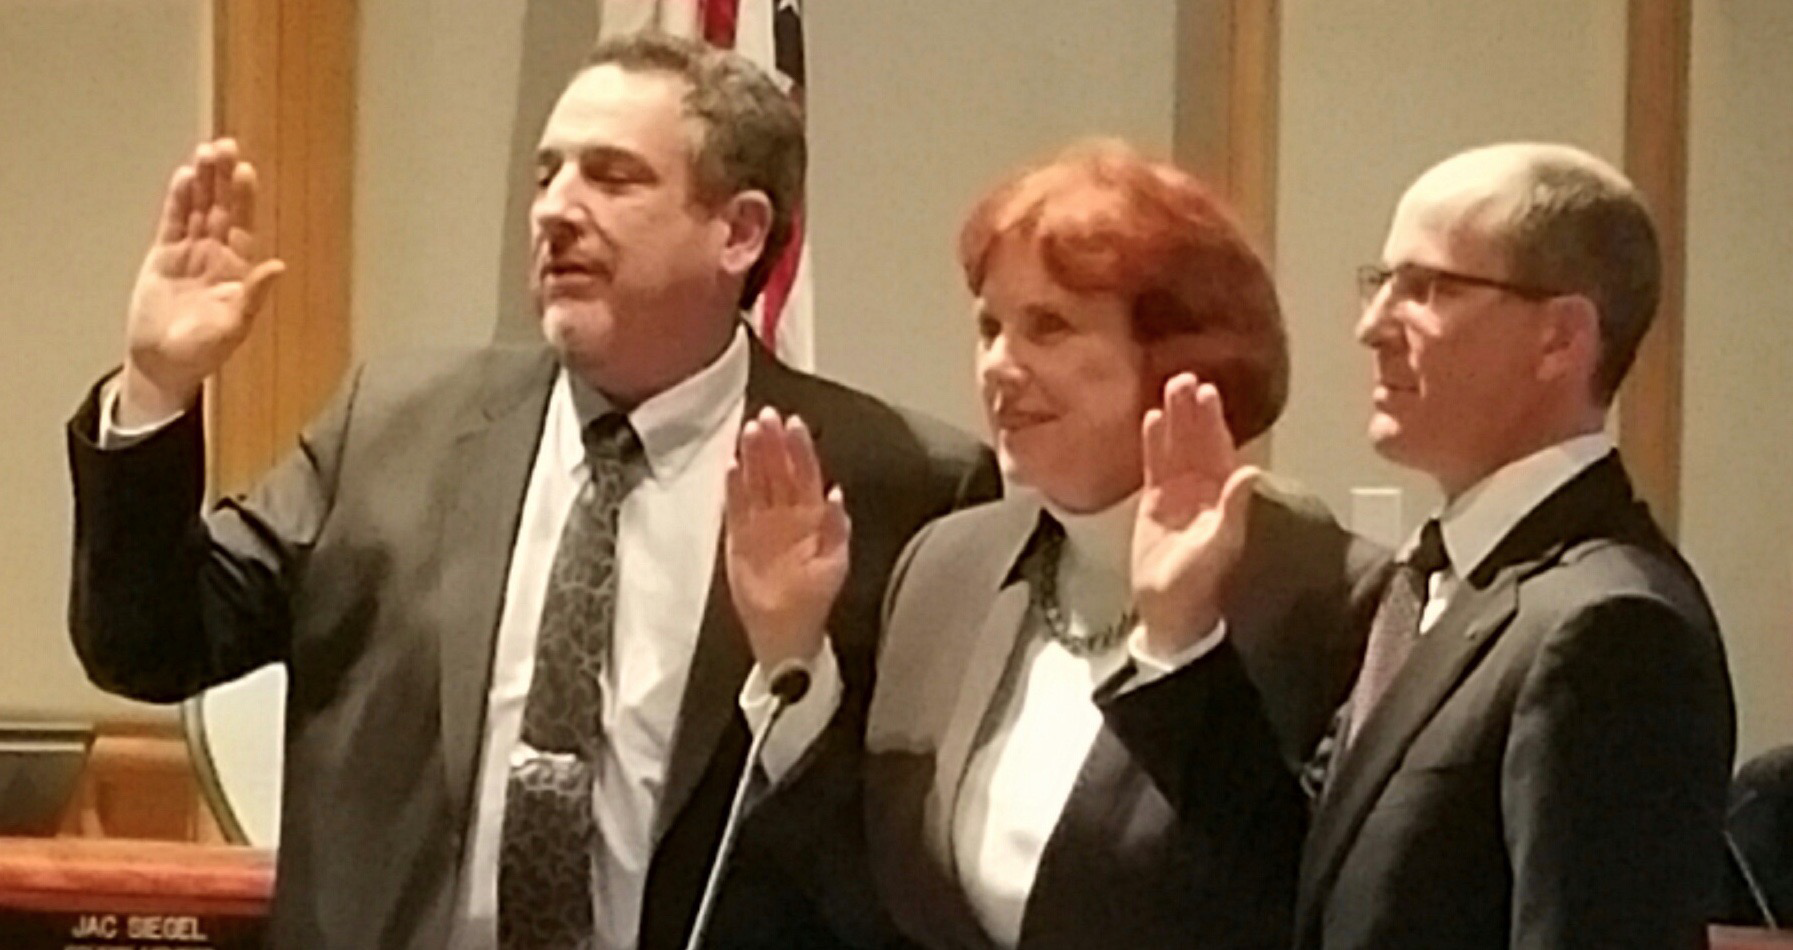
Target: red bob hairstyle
1107, 220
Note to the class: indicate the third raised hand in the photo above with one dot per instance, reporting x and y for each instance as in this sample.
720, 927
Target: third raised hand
1192, 515
198, 287
786, 539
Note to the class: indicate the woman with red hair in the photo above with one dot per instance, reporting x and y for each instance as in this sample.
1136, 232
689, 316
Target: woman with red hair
1093, 697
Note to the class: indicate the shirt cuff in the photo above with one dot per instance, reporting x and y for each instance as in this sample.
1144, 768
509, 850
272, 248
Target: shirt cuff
1149, 668
115, 436
802, 722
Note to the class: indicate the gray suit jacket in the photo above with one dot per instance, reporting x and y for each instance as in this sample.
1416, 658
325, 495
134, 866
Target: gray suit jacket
1185, 823
372, 562
1549, 767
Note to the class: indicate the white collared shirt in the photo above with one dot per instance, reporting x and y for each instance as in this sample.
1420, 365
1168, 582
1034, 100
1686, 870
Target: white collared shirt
1476, 521
668, 531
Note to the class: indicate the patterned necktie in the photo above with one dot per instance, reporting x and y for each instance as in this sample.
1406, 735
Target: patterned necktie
1396, 626
550, 837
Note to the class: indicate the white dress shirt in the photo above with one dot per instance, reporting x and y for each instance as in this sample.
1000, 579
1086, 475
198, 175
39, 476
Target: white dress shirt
668, 531
1476, 521
1017, 783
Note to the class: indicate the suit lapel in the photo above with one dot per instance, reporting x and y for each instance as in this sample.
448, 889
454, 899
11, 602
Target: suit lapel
1475, 618
986, 666
711, 700
489, 462
1438, 663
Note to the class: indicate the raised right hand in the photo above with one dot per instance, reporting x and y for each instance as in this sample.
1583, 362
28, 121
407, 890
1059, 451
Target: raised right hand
198, 288
786, 540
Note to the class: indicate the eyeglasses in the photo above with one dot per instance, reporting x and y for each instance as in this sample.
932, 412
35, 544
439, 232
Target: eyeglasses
1418, 282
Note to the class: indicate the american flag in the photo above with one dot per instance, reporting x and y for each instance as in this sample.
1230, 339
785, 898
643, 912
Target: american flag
770, 33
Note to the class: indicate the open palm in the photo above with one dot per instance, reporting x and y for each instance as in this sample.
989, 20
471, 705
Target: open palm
786, 540
199, 285
1192, 513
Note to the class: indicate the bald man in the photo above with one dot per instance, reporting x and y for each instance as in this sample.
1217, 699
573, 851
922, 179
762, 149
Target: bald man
1536, 752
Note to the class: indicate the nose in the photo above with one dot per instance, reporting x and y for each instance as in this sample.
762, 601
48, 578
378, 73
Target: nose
1376, 323
555, 212
997, 366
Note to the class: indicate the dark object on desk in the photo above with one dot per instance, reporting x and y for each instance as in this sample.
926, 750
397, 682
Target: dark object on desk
1759, 836
40, 764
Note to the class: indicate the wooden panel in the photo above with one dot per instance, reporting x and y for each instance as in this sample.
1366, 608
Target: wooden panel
1659, 44
139, 784
285, 72
1228, 69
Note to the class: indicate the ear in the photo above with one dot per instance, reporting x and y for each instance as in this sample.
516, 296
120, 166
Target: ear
747, 222
1569, 339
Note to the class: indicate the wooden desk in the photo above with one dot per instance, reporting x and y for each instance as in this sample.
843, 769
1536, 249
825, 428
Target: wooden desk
85, 894
1748, 938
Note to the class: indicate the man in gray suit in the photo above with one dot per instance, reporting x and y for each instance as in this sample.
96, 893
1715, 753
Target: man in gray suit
1536, 751
514, 714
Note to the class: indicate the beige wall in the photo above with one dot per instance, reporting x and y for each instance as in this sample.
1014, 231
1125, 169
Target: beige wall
915, 109
1737, 495
437, 95
99, 99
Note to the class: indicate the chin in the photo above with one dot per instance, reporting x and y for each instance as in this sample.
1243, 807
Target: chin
576, 327
1012, 469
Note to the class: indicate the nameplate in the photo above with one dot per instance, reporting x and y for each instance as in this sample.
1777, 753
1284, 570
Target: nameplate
98, 930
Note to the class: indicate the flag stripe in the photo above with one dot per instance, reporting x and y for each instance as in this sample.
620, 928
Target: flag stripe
720, 21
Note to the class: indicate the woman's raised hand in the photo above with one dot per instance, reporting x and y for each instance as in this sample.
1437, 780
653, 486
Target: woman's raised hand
1192, 515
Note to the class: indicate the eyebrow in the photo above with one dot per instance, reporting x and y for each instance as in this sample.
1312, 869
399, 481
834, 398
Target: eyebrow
551, 155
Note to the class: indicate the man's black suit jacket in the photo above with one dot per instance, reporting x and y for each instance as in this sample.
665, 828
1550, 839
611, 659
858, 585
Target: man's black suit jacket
372, 562
1548, 769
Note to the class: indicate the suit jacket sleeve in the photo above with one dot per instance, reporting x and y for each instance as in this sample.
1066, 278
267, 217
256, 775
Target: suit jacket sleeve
1622, 724
167, 600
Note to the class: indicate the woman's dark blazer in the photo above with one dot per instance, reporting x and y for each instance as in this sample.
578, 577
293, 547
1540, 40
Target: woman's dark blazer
1185, 824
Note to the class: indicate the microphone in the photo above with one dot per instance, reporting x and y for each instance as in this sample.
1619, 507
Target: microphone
788, 683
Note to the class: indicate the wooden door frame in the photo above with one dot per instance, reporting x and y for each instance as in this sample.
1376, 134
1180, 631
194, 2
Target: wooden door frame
284, 87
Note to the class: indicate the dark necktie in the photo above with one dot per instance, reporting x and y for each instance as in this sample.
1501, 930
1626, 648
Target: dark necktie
550, 837
1395, 628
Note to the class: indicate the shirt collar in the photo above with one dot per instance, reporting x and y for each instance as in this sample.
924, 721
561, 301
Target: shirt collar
673, 425
1099, 541
1096, 542
1479, 518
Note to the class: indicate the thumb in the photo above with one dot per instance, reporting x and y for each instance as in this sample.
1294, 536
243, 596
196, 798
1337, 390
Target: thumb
260, 284
837, 527
1235, 499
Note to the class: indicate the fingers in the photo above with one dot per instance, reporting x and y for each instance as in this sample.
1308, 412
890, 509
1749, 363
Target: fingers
806, 470
734, 500
176, 206
779, 463
223, 167
756, 462
242, 195
1196, 437
837, 527
205, 158
209, 195
1152, 446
